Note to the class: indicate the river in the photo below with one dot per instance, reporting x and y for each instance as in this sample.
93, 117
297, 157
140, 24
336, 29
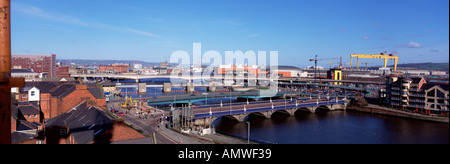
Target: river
335, 127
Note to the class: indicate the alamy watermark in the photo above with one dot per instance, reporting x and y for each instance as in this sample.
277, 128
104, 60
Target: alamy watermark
234, 68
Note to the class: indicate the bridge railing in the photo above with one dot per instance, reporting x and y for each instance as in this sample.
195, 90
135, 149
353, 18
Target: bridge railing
252, 110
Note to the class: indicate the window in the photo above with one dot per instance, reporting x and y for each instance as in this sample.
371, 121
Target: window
32, 93
62, 132
24, 96
440, 94
431, 93
430, 100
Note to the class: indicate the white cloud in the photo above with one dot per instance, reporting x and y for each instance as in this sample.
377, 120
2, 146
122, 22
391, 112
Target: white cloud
413, 45
410, 45
41, 14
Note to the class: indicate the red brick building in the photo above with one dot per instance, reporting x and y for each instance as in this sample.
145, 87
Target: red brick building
235, 70
62, 71
86, 125
116, 68
55, 98
39, 63
29, 112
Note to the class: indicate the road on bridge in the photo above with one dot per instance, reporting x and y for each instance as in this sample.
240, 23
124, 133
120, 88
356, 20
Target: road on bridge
226, 107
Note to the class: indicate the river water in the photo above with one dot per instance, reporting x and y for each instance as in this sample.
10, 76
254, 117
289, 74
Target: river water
335, 127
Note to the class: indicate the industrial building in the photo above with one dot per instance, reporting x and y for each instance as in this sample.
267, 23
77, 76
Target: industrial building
251, 70
113, 68
335, 74
255, 71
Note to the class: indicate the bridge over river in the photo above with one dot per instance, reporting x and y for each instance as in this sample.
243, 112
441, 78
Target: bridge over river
205, 115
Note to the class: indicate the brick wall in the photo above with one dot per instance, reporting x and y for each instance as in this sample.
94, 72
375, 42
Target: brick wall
53, 106
119, 131
77, 96
33, 118
45, 104
23, 97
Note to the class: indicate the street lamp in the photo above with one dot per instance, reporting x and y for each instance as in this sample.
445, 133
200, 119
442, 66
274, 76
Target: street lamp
248, 132
206, 94
230, 101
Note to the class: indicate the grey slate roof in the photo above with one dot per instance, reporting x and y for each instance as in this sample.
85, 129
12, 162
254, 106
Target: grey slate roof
63, 90
29, 110
84, 123
96, 92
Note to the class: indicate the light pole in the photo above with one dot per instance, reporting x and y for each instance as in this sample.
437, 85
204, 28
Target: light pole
248, 132
230, 101
206, 102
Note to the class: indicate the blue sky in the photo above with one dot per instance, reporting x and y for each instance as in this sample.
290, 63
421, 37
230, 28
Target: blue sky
418, 30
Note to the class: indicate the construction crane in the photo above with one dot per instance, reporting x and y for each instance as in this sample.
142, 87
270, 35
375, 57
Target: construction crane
382, 55
315, 64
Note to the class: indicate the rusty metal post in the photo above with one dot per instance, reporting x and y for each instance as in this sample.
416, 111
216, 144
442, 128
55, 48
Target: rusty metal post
5, 72
5, 41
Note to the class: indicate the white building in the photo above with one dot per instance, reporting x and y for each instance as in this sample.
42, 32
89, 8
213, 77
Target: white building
137, 66
34, 94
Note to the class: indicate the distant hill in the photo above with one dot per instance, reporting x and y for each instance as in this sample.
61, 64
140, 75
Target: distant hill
106, 62
428, 66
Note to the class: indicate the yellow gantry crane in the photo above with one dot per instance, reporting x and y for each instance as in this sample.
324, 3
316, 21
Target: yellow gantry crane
383, 55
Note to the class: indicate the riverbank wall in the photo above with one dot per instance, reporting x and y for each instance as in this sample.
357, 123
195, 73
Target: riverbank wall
375, 109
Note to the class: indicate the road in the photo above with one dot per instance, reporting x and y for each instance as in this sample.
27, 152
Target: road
251, 105
148, 124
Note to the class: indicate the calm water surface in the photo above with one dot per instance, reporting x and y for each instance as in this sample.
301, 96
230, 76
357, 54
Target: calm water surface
336, 127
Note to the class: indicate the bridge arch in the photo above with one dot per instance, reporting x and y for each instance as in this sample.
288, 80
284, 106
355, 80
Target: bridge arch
283, 111
259, 114
323, 108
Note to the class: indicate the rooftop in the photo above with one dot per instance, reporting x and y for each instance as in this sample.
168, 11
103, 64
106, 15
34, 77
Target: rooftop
83, 122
